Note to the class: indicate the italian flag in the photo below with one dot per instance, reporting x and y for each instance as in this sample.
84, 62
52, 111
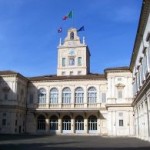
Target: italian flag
68, 16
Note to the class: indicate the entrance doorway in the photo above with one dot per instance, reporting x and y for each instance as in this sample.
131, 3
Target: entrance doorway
92, 124
53, 124
79, 124
66, 124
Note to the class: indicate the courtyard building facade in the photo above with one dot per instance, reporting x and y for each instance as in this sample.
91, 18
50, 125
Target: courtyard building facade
76, 101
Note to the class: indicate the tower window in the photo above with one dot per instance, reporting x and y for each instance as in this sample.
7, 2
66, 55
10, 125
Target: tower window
71, 72
63, 73
63, 61
79, 61
71, 61
71, 36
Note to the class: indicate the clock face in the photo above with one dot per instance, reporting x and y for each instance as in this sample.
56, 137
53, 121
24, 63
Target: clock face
71, 52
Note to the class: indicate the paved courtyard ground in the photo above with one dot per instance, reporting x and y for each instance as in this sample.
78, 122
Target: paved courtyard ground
47, 142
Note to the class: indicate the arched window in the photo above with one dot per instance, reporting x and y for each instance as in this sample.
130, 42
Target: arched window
66, 96
72, 36
92, 123
79, 123
42, 96
41, 122
79, 95
66, 123
54, 123
92, 95
53, 96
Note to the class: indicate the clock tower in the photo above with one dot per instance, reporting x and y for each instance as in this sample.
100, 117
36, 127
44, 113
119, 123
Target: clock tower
73, 56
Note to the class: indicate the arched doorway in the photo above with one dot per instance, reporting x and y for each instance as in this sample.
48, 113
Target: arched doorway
41, 124
79, 124
66, 124
53, 123
92, 124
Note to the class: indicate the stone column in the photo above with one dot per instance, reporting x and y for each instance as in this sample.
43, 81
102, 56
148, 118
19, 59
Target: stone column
47, 97
99, 125
85, 125
72, 96
47, 125
85, 97
146, 119
114, 123
59, 125
99, 99
60, 96
72, 125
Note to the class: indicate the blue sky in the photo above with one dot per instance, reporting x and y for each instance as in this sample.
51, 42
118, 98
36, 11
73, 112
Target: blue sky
29, 38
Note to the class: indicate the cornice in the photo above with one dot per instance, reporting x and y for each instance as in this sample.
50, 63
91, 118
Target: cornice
13, 107
119, 105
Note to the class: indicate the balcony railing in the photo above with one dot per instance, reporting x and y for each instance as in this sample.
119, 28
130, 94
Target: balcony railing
82, 105
79, 105
66, 106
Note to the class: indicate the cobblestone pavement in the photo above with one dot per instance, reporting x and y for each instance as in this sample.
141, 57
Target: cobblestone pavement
48, 142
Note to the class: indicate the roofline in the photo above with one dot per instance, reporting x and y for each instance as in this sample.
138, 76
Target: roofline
10, 72
117, 69
75, 77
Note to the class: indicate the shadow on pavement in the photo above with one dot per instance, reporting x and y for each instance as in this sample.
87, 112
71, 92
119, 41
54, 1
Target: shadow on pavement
55, 147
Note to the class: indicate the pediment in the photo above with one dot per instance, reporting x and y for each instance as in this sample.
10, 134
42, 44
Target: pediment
120, 85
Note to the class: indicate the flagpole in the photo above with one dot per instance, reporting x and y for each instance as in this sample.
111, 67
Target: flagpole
73, 18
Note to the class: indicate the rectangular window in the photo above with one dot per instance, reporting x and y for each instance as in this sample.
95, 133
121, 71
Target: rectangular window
63, 61
16, 122
120, 123
71, 72
119, 79
119, 93
4, 122
63, 73
79, 61
5, 96
79, 72
31, 99
103, 97
120, 114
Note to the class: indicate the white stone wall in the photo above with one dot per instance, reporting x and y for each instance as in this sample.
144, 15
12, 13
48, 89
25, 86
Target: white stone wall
119, 108
116, 81
142, 64
141, 86
12, 104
